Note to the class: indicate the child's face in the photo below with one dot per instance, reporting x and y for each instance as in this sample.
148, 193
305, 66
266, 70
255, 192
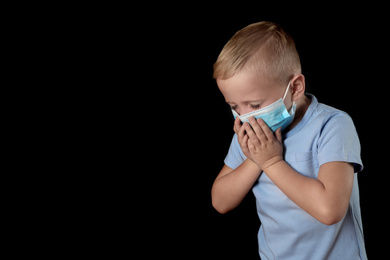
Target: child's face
246, 92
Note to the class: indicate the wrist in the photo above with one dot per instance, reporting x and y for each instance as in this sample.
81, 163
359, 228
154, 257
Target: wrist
271, 162
252, 163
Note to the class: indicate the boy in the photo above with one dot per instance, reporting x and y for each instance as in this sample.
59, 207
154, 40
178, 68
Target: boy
298, 156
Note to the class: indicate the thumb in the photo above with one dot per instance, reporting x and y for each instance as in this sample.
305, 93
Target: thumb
278, 134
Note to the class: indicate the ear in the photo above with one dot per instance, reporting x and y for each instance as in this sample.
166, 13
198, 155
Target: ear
298, 87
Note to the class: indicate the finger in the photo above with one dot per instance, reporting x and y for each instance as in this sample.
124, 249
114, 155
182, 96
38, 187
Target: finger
258, 129
241, 131
251, 134
266, 130
237, 125
245, 139
241, 134
278, 134
245, 142
251, 147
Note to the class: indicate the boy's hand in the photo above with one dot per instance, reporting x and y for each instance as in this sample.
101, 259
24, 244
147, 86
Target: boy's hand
264, 147
242, 137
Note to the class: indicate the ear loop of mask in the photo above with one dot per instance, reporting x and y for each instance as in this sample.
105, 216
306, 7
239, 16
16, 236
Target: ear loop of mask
285, 94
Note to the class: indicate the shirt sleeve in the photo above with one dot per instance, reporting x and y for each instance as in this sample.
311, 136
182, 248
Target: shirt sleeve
339, 141
235, 156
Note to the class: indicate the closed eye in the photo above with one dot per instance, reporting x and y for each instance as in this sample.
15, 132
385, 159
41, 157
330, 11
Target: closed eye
255, 106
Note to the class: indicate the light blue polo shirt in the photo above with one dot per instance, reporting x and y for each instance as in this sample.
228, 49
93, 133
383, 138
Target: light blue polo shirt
324, 134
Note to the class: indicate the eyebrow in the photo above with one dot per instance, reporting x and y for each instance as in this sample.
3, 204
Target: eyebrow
247, 102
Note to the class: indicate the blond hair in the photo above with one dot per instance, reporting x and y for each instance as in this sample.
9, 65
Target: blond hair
262, 47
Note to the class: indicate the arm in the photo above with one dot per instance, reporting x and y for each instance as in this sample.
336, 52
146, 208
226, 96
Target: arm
325, 198
231, 186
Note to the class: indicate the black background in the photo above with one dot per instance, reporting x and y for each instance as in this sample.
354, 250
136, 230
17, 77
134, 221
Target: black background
142, 129
183, 145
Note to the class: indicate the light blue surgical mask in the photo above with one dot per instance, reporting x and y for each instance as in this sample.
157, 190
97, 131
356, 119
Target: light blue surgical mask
274, 115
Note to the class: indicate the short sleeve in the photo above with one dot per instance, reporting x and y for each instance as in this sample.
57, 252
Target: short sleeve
235, 156
339, 141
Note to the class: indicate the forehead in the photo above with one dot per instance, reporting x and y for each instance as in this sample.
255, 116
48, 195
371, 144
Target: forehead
248, 86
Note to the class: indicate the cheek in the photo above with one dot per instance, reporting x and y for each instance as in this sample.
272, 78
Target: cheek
288, 104
288, 101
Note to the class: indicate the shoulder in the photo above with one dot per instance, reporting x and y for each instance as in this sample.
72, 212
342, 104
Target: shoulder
330, 112
337, 130
332, 125
330, 116
318, 115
